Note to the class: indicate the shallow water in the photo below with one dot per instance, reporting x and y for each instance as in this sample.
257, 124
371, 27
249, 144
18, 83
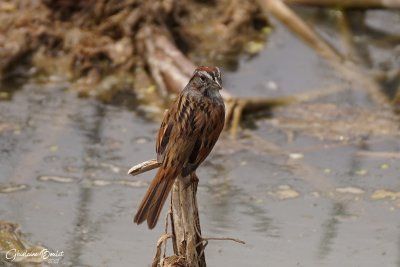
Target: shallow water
297, 197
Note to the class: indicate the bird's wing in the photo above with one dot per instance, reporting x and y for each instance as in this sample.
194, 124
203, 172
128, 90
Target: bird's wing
163, 136
208, 128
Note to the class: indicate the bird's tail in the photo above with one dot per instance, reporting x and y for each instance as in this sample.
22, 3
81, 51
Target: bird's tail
155, 197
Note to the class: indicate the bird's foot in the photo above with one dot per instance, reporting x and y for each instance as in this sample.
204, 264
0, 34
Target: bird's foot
190, 180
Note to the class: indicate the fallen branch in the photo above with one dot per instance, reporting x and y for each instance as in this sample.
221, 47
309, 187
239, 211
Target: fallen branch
224, 238
385, 155
144, 167
311, 38
236, 106
367, 4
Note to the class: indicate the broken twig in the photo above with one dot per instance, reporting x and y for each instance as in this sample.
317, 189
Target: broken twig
144, 167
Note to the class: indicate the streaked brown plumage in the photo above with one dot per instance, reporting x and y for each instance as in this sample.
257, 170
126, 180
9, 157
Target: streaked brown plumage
187, 135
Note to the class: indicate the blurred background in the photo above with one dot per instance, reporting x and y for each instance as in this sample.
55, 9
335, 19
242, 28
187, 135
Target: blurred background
306, 172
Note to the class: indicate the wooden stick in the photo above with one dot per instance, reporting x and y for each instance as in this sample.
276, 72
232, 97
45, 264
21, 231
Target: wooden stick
297, 25
348, 3
185, 221
144, 167
383, 154
224, 238
311, 38
161, 240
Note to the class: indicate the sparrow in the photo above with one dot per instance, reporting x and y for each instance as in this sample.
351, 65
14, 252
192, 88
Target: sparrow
188, 132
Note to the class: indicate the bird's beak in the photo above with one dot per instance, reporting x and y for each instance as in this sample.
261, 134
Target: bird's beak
219, 85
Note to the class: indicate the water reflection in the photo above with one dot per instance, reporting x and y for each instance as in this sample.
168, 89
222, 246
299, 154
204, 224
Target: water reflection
263, 223
223, 194
226, 199
398, 249
81, 224
330, 230
91, 126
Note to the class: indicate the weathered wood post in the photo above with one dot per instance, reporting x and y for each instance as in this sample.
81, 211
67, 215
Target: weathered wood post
187, 240
185, 223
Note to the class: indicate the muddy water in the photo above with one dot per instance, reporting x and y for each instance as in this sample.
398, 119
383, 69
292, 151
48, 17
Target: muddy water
296, 194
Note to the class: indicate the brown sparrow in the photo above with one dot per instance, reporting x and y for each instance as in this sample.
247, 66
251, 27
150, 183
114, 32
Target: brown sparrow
187, 135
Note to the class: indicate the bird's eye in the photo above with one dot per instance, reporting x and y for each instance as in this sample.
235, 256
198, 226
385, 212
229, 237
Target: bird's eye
202, 78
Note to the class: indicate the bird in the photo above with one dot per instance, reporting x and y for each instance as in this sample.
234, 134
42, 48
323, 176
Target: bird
188, 132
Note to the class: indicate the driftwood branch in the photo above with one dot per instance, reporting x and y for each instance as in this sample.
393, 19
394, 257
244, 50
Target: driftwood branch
236, 106
347, 68
224, 238
384, 154
348, 3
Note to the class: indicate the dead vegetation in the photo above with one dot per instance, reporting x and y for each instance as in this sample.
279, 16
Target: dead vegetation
89, 40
